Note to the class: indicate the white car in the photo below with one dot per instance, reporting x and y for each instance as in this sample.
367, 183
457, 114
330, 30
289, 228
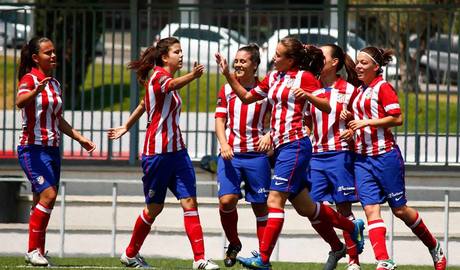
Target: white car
15, 24
316, 36
200, 42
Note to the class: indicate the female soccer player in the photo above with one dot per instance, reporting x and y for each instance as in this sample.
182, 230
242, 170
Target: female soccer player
296, 70
240, 129
331, 167
379, 166
165, 161
40, 100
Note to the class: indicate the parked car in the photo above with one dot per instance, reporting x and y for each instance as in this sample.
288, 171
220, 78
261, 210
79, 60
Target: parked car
15, 24
317, 36
434, 60
200, 42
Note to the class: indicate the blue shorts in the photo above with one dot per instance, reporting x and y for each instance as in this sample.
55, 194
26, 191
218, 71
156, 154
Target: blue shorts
291, 163
170, 170
381, 178
41, 164
332, 177
252, 168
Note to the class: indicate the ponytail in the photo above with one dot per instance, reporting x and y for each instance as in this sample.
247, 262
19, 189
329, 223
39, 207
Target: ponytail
151, 57
26, 63
344, 60
308, 57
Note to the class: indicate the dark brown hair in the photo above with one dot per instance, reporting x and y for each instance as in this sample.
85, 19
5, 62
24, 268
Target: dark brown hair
26, 63
306, 57
381, 56
253, 50
345, 60
151, 57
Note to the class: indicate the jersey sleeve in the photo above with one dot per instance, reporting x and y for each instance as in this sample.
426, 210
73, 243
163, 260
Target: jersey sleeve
261, 90
25, 85
309, 83
389, 100
221, 106
161, 82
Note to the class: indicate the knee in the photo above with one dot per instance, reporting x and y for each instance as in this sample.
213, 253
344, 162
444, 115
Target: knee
153, 210
228, 202
400, 212
188, 203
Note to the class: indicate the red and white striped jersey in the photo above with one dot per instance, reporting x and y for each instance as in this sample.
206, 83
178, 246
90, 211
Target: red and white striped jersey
163, 107
287, 110
327, 127
376, 101
40, 118
245, 122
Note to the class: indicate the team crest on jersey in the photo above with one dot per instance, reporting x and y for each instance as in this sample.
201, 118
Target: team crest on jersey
340, 98
40, 180
289, 82
151, 193
368, 94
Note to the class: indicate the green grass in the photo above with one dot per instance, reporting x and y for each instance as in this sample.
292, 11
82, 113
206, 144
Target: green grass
161, 263
107, 93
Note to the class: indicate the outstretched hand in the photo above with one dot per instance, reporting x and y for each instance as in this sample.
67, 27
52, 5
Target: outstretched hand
88, 145
115, 133
198, 70
222, 62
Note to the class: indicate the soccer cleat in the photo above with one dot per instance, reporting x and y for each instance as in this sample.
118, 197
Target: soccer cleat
386, 265
136, 262
205, 264
254, 263
439, 259
334, 257
358, 234
35, 258
353, 266
230, 255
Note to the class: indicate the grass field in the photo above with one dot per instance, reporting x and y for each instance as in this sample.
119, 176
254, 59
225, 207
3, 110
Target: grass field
108, 89
160, 263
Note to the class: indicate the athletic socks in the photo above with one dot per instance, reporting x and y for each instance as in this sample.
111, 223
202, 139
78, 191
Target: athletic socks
272, 231
324, 229
377, 232
229, 220
38, 223
194, 232
140, 232
261, 224
419, 228
352, 250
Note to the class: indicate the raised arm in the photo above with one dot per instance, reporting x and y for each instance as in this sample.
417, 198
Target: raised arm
25, 95
179, 82
245, 96
115, 133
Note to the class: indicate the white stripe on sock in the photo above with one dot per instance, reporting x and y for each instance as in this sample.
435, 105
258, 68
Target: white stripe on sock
43, 209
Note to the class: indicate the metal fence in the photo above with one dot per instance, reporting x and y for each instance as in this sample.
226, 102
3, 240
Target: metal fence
96, 41
447, 235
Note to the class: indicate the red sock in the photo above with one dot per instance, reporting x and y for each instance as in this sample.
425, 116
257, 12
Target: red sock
261, 224
37, 227
377, 232
329, 215
272, 231
229, 220
140, 232
326, 231
194, 232
419, 228
351, 246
